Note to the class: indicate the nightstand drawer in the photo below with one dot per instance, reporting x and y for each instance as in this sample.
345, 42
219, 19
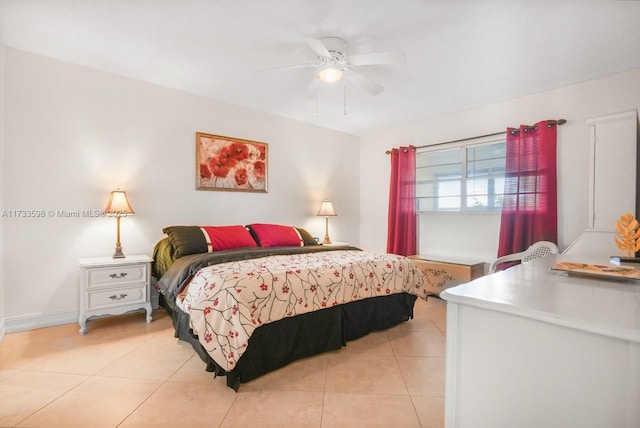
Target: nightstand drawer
115, 276
117, 296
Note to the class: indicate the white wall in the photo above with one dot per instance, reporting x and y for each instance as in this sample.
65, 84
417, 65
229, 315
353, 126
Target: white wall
2, 169
73, 134
476, 236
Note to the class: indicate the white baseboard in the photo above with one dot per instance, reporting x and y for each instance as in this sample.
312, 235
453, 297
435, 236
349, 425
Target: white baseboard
1, 329
30, 322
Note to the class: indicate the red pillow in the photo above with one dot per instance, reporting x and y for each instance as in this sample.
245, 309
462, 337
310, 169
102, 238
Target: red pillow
227, 237
275, 235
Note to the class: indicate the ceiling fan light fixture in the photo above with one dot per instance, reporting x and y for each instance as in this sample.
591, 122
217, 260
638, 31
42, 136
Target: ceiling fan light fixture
330, 74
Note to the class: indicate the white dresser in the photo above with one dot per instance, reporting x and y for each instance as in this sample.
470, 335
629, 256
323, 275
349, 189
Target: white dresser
111, 286
529, 347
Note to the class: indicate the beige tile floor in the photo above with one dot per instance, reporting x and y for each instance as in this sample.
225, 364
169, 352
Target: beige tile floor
127, 373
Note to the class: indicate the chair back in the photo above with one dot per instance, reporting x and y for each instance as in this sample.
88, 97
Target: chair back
538, 250
535, 251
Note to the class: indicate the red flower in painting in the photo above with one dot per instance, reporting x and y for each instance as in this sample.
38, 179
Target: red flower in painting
207, 310
215, 302
239, 151
259, 169
218, 167
227, 157
241, 176
264, 287
208, 337
205, 172
263, 151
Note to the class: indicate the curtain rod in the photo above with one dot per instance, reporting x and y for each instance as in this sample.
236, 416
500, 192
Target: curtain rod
549, 123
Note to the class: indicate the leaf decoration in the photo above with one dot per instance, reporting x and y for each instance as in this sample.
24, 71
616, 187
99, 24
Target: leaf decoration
628, 234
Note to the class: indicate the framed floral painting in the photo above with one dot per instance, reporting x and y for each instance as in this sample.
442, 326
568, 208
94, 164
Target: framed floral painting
232, 164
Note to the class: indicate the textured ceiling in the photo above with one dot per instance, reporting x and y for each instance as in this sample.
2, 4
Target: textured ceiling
460, 54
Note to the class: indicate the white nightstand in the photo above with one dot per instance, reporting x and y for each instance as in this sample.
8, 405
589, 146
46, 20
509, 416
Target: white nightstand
111, 286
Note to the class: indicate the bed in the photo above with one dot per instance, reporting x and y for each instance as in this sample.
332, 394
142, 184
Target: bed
251, 299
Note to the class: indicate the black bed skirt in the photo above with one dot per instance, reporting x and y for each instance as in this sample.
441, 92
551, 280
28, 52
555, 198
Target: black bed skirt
277, 344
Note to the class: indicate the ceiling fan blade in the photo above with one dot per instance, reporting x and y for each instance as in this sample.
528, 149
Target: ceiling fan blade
375, 58
289, 67
318, 47
363, 81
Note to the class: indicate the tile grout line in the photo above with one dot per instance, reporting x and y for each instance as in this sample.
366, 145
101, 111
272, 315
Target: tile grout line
324, 390
151, 394
56, 398
404, 381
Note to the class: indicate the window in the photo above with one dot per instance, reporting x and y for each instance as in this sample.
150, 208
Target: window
461, 178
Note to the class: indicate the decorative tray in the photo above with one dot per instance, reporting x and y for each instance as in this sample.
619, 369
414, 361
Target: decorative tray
599, 271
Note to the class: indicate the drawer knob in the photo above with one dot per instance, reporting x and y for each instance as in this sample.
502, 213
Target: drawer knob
120, 297
116, 276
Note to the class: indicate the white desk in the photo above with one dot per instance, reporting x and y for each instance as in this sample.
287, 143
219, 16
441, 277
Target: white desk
530, 347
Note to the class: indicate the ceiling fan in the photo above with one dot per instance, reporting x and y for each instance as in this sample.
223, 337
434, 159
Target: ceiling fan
334, 64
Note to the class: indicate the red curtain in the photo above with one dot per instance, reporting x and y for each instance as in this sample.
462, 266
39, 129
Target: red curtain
401, 235
530, 207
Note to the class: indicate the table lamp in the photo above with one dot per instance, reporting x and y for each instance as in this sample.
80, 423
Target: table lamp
118, 206
326, 210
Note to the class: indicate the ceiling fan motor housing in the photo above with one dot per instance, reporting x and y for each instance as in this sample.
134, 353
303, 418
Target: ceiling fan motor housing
337, 49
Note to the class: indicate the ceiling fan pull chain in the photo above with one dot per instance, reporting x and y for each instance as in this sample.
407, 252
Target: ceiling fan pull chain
344, 99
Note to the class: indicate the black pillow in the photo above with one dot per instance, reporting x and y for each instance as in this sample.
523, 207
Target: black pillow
186, 240
306, 237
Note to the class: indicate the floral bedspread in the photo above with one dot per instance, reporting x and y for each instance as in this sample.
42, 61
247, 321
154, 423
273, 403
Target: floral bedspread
227, 302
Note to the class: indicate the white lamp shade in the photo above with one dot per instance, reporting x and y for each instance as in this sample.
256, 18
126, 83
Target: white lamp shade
326, 209
118, 205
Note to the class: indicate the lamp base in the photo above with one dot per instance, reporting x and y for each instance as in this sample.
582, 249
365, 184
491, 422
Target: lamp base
118, 254
326, 232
